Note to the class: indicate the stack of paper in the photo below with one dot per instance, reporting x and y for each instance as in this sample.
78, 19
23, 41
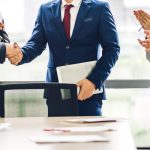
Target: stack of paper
92, 120
79, 129
69, 138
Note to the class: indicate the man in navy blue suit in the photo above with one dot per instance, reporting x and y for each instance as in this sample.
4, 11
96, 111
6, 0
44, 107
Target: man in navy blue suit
74, 30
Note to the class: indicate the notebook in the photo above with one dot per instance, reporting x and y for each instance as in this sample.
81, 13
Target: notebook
75, 72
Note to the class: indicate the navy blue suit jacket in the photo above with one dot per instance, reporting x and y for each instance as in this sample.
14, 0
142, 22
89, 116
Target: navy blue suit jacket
2, 53
3, 39
94, 27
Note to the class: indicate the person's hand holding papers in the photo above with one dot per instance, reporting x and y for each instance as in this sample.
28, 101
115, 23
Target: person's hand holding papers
76, 74
86, 89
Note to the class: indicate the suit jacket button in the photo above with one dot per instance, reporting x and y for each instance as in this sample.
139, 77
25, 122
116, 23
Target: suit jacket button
67, 47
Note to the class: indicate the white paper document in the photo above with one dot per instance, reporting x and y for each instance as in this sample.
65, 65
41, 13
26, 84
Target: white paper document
69, 139
93, 120
4, 126
76, 72
80, 129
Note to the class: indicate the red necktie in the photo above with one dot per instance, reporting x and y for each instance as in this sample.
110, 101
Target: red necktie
66, 20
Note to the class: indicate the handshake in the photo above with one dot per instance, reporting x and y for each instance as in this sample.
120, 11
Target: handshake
14, 53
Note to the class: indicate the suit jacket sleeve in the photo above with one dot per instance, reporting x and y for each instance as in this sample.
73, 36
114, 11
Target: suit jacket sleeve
37, 43
2, 52
148, 56
4, 36
3, 39
109, 41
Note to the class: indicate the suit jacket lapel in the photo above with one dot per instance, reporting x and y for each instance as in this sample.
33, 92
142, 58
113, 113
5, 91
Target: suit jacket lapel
56, 10
83, 11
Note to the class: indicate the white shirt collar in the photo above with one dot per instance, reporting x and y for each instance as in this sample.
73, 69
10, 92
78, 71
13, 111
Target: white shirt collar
75, 3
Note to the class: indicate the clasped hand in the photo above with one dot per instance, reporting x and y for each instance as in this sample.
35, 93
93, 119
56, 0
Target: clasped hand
144, 20
14, 53
146, 43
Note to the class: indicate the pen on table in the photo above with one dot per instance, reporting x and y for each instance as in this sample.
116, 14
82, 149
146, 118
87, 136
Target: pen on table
52, 130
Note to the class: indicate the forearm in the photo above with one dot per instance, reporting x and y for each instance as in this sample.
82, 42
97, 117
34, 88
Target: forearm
31, 50
108, 38
3, 39
103, 66
37, 43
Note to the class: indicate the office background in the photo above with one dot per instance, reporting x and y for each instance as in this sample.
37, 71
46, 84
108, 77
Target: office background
132, 64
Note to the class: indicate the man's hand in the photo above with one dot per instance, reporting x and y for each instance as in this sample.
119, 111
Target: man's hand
143, 18
146, 43
86, 89
14, 53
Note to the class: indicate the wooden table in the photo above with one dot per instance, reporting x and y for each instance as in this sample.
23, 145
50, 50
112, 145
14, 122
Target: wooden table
17, 138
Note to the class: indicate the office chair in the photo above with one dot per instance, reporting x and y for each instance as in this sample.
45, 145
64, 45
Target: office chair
62, 97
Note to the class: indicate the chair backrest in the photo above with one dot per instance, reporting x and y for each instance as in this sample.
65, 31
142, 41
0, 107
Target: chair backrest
62, 98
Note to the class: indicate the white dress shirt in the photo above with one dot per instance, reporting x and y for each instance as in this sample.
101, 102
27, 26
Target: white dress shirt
73, 12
